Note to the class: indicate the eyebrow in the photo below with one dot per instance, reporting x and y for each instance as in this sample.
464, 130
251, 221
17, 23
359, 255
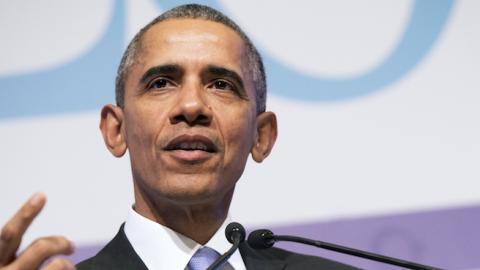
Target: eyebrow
167, 69
227, 73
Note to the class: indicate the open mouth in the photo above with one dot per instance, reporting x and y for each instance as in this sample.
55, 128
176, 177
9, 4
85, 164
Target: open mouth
191, 143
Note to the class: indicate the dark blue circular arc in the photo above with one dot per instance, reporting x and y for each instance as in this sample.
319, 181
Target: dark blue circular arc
87, 83
427, 19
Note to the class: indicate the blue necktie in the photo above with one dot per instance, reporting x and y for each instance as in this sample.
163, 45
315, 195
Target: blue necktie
203, 258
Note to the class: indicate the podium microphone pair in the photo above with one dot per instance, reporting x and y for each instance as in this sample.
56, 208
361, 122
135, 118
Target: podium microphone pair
263, 239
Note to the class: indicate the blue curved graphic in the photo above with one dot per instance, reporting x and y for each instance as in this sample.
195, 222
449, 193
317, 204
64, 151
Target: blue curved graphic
87, 83
427, 19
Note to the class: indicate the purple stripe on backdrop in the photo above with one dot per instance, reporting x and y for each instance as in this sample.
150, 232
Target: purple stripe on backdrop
449, 238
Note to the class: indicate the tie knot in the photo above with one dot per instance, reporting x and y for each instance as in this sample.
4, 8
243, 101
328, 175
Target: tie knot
203, 258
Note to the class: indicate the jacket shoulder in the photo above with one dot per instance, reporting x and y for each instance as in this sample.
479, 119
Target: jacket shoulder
118, 254
302, 261
288, 260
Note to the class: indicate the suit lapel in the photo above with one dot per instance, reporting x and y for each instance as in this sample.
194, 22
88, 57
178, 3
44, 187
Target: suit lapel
118, 254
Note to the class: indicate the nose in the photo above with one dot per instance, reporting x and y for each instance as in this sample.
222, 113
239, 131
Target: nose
191, 106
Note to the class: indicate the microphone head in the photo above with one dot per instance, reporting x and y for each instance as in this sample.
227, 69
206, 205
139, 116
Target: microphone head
235, 231
261, 239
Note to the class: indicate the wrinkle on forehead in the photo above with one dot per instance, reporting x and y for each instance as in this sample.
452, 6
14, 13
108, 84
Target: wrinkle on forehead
192, 36
191, 30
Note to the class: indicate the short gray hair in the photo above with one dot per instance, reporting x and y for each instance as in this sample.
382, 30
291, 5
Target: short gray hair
195, 11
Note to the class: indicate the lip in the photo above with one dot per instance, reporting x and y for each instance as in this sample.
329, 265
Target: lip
191, 156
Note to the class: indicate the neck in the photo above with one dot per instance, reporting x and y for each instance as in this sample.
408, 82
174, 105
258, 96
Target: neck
197, 221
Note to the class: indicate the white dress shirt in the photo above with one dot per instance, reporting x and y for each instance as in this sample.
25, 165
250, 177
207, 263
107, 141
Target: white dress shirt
162, 248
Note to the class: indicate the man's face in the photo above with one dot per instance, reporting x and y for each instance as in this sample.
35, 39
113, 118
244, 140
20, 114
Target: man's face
190, 111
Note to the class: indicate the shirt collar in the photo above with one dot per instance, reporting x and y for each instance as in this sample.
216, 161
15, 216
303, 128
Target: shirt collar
160, 247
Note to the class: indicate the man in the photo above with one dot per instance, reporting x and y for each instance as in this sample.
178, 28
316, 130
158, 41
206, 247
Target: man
190, 110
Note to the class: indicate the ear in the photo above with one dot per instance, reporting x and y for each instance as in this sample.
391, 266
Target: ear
111, 126
266, 136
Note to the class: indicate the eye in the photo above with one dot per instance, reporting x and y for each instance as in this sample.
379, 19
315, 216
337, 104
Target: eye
160, 83
222, 85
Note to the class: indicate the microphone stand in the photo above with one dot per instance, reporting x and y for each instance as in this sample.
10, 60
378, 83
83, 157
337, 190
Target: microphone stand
264, 238
235, 234
224, 258
355, 252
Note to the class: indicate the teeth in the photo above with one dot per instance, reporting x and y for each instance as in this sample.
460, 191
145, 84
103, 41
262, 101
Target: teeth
193, 146
201, 146
184, 145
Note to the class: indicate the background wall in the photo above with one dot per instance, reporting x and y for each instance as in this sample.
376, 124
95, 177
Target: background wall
378, 107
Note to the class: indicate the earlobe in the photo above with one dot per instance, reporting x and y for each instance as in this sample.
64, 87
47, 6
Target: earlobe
266, 136
111, 126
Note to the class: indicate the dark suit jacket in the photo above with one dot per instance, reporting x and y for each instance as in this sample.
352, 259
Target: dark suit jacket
118, 254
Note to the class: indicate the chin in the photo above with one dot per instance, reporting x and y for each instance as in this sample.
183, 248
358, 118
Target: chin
192, 189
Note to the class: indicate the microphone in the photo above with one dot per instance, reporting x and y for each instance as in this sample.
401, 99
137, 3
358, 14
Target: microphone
262, 239
235, 234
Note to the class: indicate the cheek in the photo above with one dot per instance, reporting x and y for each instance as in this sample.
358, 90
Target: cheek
237, 150
141, 136
138, 145
144, 120
239, 135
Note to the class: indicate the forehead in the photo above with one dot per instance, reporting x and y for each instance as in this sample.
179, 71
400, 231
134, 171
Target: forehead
193, 40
